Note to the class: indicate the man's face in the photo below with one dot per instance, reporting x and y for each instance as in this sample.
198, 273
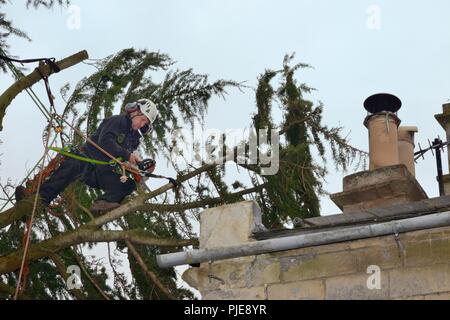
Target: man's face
139, 121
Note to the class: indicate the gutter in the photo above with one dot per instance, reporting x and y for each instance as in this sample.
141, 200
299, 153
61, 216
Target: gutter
304, 240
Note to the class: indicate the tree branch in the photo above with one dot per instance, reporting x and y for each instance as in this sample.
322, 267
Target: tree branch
91, 280
200, 203
21, 209
34, 77
150, 275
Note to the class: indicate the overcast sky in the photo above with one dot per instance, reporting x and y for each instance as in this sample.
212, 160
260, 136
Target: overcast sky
357, 48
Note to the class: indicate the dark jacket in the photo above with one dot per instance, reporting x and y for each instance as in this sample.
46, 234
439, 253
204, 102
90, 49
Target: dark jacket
116, 136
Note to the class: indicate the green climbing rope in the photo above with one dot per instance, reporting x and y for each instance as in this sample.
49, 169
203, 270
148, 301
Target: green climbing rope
67, 152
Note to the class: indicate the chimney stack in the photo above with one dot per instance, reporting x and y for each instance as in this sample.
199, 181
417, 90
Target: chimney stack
391, 178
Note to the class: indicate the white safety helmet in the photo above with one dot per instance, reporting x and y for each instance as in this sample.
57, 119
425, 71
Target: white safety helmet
148, 109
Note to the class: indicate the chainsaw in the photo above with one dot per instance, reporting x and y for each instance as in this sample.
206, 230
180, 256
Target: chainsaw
144, 166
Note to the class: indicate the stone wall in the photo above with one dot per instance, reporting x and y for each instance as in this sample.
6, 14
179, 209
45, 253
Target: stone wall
414, 265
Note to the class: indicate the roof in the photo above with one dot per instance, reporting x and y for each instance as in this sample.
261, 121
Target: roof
364, 217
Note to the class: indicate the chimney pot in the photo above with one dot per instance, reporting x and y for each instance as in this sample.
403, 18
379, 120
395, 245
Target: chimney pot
406, 147
383, 123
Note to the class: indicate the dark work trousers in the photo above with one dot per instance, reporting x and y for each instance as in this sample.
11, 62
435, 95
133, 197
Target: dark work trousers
95, 176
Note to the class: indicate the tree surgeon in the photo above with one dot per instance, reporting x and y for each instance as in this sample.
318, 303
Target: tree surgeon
120, 136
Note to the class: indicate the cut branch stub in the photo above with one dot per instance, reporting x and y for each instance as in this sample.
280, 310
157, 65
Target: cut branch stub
34, 77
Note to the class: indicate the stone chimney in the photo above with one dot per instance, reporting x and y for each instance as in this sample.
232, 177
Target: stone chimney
391, 176
444, 120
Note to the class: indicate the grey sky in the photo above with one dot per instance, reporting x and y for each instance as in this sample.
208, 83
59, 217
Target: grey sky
238, 39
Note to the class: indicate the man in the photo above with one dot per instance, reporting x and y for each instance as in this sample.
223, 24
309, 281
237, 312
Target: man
118, 135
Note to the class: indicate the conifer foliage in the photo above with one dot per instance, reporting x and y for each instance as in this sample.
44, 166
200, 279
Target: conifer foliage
293, 192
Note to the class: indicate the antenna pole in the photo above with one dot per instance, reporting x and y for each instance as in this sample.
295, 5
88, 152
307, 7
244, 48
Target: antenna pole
437, 143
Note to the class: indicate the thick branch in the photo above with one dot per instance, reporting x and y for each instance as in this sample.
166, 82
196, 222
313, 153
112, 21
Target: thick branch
15, 213
34, 77
137, 236
84, 234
